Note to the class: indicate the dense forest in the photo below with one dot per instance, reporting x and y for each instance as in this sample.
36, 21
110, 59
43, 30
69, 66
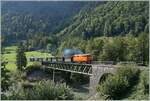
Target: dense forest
128, 21
110, 19
29, 20
92, 27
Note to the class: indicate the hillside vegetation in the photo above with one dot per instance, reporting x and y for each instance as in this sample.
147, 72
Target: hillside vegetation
81, 20
29, 20
109, 19
111, 31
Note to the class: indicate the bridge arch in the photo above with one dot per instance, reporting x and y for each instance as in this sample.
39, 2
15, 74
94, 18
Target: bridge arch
104, 77
99, 72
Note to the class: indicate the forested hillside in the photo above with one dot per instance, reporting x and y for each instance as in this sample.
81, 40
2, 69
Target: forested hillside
115, 31
33, 20
110, 19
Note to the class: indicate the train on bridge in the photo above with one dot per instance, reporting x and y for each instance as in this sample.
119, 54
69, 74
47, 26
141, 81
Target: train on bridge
74, 56
68, 55
77, 56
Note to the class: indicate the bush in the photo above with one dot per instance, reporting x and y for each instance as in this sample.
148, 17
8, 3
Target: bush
44, 90
128, 72
145, 81
113, 87
116, 86
3, 96
79, 79
141, 90
33, 67
5, 77
18, 76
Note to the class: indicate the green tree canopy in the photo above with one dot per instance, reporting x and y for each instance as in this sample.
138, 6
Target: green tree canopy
21, 57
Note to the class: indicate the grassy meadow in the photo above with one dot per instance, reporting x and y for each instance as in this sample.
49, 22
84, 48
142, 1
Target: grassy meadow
10, 56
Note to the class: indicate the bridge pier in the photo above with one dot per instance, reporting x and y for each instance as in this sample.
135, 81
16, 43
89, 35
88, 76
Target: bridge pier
94, 79
53, 75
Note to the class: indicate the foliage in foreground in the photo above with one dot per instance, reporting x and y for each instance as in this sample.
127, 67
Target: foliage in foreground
5, 77
44, 90
116, 86
141, 90
33, 67
145, 81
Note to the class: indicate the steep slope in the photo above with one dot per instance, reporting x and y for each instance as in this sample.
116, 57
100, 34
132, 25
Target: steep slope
110, 19
44, 23
22, 19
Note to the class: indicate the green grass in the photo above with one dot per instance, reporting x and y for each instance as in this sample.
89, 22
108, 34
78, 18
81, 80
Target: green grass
37, 54
11, 66
10, 56
11, 49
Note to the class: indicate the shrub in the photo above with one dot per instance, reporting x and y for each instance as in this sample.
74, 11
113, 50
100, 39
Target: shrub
3, 96
5, 77
18, 76
79, 79
145, 81
141, 90
113, 87
116, 86
44, 90
33, 67
128, 72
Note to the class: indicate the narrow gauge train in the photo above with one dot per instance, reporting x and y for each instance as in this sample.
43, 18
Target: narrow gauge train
76, 56
69, 55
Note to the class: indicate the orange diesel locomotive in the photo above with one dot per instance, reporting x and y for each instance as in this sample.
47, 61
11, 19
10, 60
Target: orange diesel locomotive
82, 58
76, 55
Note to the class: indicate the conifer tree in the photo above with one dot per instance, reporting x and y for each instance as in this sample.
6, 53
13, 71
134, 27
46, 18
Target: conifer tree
21, 57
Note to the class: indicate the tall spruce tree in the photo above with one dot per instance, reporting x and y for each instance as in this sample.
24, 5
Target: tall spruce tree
21, 57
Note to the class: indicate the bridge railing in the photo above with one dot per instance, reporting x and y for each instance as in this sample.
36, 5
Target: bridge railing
62, 59
51, 59
71, 67
103, 62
